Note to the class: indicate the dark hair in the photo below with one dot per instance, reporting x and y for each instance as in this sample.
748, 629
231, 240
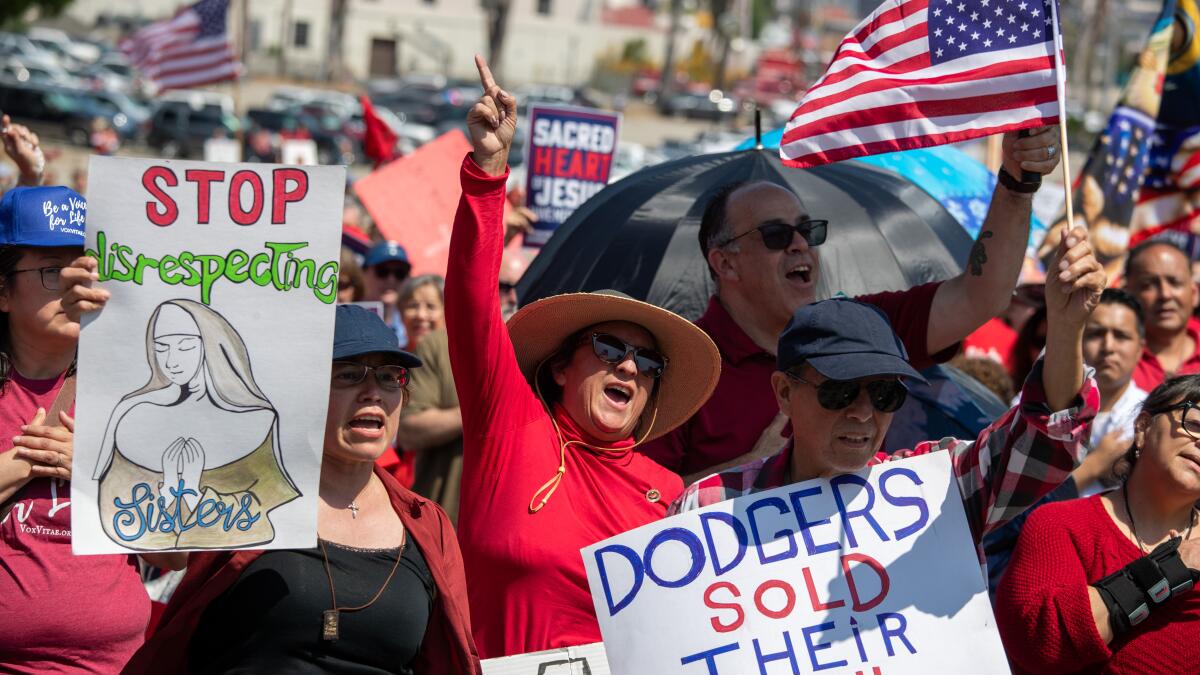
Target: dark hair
1165, 395
1120, 296
1027, 347
543, 378
10, 255
1141, 248
712, 223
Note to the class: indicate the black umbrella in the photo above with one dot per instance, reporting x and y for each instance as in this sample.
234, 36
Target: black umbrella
638, 235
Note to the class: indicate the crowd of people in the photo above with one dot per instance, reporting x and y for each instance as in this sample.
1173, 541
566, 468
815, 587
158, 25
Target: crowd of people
502, 440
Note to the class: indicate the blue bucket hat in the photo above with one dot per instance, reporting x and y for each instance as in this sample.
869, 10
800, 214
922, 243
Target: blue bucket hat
385, 251
358, 331
43, 216
843, 340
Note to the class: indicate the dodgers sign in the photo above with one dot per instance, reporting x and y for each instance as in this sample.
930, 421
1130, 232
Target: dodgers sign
872, 572
570, 157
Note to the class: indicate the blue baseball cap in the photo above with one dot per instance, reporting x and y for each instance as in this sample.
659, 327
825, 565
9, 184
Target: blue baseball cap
843, 340
45, 215
385, 251
358, 331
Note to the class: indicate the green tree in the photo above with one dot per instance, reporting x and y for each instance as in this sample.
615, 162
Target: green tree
12, 11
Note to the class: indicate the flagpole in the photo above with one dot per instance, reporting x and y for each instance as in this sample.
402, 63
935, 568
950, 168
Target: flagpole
1060, 72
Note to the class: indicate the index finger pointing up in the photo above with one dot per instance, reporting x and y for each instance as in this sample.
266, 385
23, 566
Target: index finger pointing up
485, 73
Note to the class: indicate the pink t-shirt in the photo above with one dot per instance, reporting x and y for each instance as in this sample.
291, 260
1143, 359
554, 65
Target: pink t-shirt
61, 613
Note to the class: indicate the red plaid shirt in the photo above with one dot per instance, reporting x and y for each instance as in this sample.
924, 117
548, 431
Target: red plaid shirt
1017, 460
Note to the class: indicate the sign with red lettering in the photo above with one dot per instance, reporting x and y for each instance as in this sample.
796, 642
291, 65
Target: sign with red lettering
204, 381
872, 572
570, 157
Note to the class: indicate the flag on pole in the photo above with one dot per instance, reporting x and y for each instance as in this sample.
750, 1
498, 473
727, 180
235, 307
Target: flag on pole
189, 49
918, 73
1131, 160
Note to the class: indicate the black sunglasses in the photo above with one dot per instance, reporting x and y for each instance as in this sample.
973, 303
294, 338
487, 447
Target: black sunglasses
886, 395
778, 236
351, 373
399, 273
612, 349
506, 287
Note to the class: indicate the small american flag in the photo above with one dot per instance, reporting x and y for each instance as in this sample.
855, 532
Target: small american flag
917, 73
187, 50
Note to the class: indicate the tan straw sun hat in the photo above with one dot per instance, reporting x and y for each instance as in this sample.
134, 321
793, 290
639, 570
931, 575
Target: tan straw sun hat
693, 362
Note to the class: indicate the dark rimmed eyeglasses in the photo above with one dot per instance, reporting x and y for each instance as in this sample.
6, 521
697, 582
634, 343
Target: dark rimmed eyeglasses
886, 395
348, 374
612, 349
49, 275
1189, 421
778, 236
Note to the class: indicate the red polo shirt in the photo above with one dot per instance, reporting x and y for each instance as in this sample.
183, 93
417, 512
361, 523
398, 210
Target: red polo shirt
1149, 372
743, 404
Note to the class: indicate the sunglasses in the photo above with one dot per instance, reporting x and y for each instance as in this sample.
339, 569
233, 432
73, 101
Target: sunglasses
778, 236
886, 395
398, 273
506, 287
612, 349
351, 373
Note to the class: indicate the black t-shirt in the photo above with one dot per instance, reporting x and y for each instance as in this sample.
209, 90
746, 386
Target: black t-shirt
270, 620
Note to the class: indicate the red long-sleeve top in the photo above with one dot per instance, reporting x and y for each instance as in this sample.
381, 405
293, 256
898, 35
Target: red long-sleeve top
1043, 611
525, 575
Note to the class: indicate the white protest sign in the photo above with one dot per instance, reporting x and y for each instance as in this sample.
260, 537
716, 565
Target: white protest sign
298, 151
867, 572
204, 382
222, 150
582, 660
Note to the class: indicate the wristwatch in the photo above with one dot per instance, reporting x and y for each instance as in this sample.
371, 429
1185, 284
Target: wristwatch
1006, 179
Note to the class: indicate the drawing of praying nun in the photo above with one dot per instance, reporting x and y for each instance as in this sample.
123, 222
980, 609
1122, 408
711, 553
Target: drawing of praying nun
192, 460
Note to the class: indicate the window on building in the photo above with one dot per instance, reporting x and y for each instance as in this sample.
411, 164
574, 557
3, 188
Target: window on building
300, 34
543, 7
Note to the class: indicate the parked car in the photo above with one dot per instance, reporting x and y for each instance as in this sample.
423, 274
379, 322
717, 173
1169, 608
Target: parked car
177, 129
332, 142
61, 111
714, 105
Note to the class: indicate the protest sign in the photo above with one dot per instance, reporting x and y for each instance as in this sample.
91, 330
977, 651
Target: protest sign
569, 159
204, 382
298, 152
413, 200
581, 660
866, 572
222, 150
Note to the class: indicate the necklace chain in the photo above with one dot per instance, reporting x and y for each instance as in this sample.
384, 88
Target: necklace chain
1137, 538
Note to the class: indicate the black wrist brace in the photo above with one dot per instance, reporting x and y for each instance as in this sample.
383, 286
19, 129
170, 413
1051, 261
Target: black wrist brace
1135, 589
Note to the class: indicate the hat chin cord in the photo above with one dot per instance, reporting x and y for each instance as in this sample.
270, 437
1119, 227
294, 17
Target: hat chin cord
549, 487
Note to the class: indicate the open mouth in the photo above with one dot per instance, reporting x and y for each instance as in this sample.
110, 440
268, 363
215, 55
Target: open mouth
618, 394
855, 439
367, 423
801, 273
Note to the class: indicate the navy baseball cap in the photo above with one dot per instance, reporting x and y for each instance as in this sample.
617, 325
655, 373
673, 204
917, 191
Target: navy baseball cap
385, 251
43, 216
359, 331
843, 340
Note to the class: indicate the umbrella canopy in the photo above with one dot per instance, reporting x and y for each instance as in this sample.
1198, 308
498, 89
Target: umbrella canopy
639, 235
960, 182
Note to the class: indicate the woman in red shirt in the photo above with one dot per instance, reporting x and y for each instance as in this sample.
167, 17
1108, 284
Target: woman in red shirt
553, 406
1106, 584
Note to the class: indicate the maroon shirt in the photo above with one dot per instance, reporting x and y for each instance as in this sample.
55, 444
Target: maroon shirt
1149, 373
730, 422
62, 613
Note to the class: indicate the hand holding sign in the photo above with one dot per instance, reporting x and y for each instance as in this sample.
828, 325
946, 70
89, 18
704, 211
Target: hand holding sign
78, 295
491, 123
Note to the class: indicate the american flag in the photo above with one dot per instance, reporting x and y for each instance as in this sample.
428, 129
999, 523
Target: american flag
917, 73
187, 50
